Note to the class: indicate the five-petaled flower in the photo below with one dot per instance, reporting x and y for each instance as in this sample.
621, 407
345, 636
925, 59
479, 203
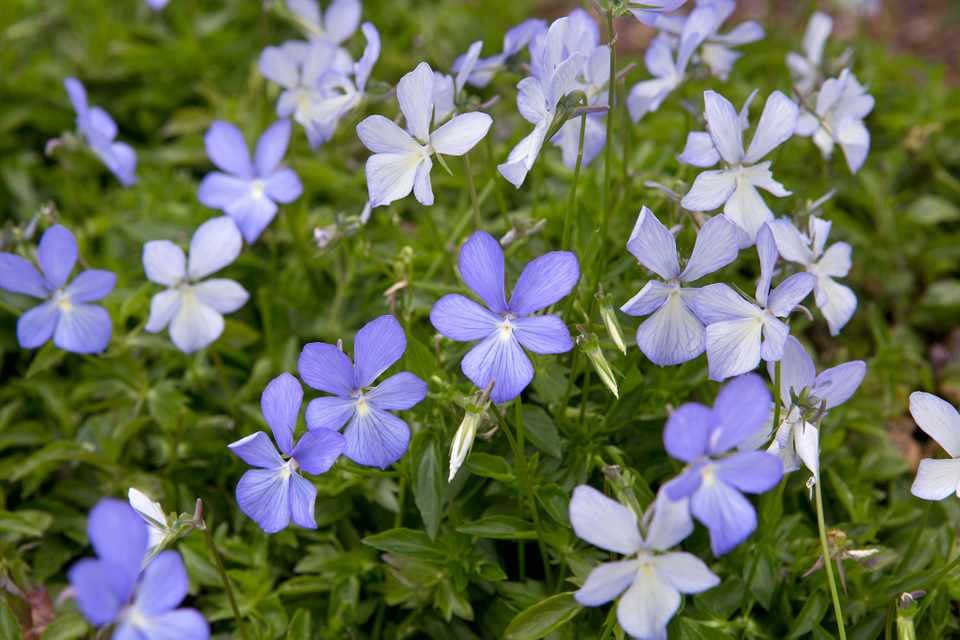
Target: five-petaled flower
99, 130
713, 481
937, 478
248, 191
842, 105
65, 314
193, 308
651, 579
374, 436
502, 327
275, 492
112, 589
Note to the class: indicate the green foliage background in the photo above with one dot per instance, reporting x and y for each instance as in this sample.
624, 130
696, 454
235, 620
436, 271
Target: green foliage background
400, 553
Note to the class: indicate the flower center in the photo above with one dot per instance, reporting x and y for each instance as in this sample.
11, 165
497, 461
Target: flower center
363, 407
136, 619
62, 300
505, 328
257, 188
709, 475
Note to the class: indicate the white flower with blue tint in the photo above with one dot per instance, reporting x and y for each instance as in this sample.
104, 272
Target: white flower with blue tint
66, 314
937, 478
673, 333
836, 302
741, 332
797, 439
191, 306
650, 11
842, 105
668, 70
333, 26
806, 68
401, 160
100, 131
248, 191
514, 41
734, 187
651, 578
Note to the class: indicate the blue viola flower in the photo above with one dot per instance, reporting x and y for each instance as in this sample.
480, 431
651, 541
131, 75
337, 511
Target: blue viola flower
248, 191
505, 328
714, 480
112, 589
275, 492
65, 315
374, 436
99, 131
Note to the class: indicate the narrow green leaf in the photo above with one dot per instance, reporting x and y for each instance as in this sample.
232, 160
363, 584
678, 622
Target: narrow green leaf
406, 542
428, 490
500, 528
543, 618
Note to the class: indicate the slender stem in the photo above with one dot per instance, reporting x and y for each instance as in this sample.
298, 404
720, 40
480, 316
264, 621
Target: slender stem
776, 396
227, 585
473, 191
572, 206
828, 565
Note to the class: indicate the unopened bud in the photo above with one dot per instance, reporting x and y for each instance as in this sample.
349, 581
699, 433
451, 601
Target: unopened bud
591, 347
612, 324
467, 432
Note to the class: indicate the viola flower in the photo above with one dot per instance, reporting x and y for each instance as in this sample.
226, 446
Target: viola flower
593, 81
797, 439
647, 96
806, 67
505, 328
65, 314
152, 514
514, 41
651, 579
276, 492
836, 302
401, 158
842, 105
713, 480
248, 191
111, 589
299, 67
650, 11
374, 437
673, 333
194, 307
334, 26
99, 131
735, 186
740, 333
937, 478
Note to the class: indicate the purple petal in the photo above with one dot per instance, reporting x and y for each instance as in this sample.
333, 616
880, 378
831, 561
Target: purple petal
341, 18
325, 368
163, 585
271, 147
672, 335
317, 450
751, 471
790, 293
257, 451
398, 392
687, 432
685, 484
371, 53
726, 513
649, 299
604, 522
181, 624
654, 246
83, 328
501, 361
57, 253
118, 535
775, 335
460, 134
544, 281
462, 319
77, 94
19, 276
670, 522
329, 412
837, 384
121, 160
303, 500
767, 251
283, 186
716, 247
741, 409
606, 581
543, 334
379, 344
685, 572
101, 591
263, 495
219, 190
376, 438
227, 149
797, 371
481, 267
37, 325
91, 285
280, 403
382, 135
252, 215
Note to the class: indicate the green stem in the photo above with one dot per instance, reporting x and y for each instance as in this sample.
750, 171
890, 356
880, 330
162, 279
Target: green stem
572, 206
473, 191
227, 585
828, 564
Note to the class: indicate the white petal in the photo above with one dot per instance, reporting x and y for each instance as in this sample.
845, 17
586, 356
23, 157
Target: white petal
604, 522
164, 262
195, 325
685, 572
672, 335
382, 135
938, 419
733, 347
723, 124
776, 126
818, 30
710, 190
854, 139
162, 308
836, 302
646, 608
415, 94
215, 244
936, 479
422, 189
716, 247
647, 300
654, 246
747, 209
221, 295
807, 439
390, 176
699, 150
670, 522
461, 134
791, 244
522, 157
606, 582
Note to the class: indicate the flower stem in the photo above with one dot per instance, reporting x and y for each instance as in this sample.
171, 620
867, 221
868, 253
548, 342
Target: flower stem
473, 191
828, 564
227, 585
572, 206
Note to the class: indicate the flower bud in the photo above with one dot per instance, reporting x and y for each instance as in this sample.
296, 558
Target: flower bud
591, 347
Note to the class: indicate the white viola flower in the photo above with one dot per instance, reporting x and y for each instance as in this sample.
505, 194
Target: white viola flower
735, 186
740, 332
937, 478
651, 578
401, 160
334, 26
806, 67
298, 67
191, 306
842, 105
538, 96
798, 440
514, 41
673, 333
152, 513
447, 88
593, 81
836, 302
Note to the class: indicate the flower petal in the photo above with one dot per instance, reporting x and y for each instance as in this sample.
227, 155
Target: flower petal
604, 522
654, 246
163, 306
303, 500
733, 347
797, 371
283, 186
500, 360
57, 253
252, 215
163, 584
687, 432
461, 134
398, 392
37, 325
835, 385
767, 252
318, 450
729, 516
179, 624
836, 302
271, 147
325, 368
751, 471
415, 95
100, 590
19, 276
215, 244
718, 302
118, 535
775, 334
777, 124
264, 496
685, 572
462, 319
83, 328
543, 334
607, 581
219, 190
646, 608
747, 209
790, 293
716, 247
422, 189
379, 344
341, 18
710, 190
544, 281
741, 409
277, 65
647, 300
938, 419
699, 150
723, 124
195, 325
227, 149
670, 522
280, 404
936, 479
791, 244
77, 94
91, 285
382, 135
164, 262
329, 412
376, 438
221, 295
672, 335
391, 176
257, 451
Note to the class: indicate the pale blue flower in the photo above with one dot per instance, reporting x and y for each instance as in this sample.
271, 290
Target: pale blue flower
100, 131
807, 68
842, 105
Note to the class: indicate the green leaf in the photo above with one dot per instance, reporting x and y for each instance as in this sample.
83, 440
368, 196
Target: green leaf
300, 626
25, 522
47, 357
691, 629
66, 626
933, 210
406, 542
541, 430
490, 466
811, 614
500, 528
9, 627
543, 618
428, 490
